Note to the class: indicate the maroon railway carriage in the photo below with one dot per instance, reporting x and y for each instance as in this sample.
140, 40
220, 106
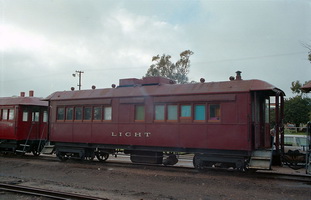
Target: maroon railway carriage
23, 124
222, 123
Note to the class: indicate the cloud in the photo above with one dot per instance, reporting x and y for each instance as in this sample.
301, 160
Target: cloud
44, 42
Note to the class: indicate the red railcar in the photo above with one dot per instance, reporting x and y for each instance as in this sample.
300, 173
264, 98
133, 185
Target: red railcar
23, 124
222, 123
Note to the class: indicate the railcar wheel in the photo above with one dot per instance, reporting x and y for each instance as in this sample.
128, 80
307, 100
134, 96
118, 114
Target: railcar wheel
61, 156
35, 152
102, 156
88, 158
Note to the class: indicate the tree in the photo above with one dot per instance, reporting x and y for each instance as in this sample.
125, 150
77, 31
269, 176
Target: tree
296, 87
165, 68
308, 46
297, 110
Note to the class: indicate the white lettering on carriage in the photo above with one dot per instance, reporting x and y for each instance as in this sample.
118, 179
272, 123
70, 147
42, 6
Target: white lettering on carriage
130, 134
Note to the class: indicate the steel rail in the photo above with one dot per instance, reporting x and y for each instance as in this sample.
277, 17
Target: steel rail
46, 193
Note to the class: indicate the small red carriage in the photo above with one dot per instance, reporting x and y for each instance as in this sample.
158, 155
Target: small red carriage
23, 124
223, 124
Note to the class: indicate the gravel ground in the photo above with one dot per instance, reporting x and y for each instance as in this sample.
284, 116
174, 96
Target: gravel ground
121, 181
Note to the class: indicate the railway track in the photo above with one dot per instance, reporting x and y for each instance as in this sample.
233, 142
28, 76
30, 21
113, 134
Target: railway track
45, 193
185, 167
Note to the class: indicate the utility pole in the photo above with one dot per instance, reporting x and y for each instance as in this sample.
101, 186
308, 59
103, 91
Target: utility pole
80, 77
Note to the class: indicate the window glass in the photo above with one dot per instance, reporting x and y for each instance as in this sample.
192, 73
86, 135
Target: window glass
45, 116
87, 113
159, 112
288, 141
5, 114
78, 113
172, 112
185, 111
60, 113
267, 111
97, 113
199, 112
108, 113
69, 113
25, 116
35, 116
214, 112
11, 114
140, 113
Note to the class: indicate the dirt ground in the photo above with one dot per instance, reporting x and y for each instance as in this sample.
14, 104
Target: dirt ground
122, 181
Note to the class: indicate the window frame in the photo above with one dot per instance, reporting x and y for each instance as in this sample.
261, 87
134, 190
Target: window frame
137, 112
104, 113
195, 112
57, 114
177, 113
164, 113
209, 113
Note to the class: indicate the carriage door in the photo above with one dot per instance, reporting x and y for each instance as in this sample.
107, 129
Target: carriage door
260, 117
35, 123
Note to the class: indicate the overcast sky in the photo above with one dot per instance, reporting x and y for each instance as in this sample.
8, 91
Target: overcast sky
42, 43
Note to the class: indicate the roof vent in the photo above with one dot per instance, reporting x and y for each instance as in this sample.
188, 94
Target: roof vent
202, 80
231, 78
93, 87
31, 93
72, 89
22, 94
238, 75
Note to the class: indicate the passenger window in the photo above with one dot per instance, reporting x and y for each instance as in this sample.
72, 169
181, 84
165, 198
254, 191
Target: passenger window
35, 116
199, 112
185, 111
11, 114
107, 113
78, 113
160, 112
60, 113
5, 114
97, 115
214, 114
87, 113
45, 116
69, 114
139, 113
172, 112
25, 116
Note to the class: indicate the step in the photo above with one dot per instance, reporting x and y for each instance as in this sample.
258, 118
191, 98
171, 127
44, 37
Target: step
48, 149
24, 145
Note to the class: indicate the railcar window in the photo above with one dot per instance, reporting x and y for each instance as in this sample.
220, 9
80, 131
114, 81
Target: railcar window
139, 112
60, 113
35, 116
107, 113
214, 114
97, 115
160, 112
25, 116
185, 111
11, 114
288, 141
78, 113
267, 111
5, 114
172, 112
69, 113
199, 112
45, 116
87, 113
